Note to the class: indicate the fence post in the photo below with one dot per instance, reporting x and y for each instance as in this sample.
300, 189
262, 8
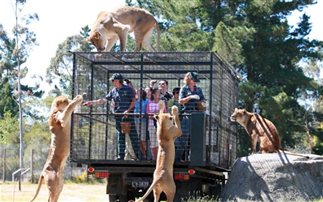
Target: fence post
4, 164
32, 165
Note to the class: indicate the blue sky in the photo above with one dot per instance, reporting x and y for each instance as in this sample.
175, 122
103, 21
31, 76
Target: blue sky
62, 18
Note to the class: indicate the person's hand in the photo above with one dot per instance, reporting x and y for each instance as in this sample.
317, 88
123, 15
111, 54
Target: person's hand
194, 97
88, 103
125, 114
152, 83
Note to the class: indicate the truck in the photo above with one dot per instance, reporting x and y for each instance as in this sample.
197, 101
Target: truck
211, 141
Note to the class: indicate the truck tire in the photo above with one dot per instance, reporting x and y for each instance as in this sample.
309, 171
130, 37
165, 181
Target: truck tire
113, 197
117, 198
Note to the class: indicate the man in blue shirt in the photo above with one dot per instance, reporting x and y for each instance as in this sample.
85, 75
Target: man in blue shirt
124, 102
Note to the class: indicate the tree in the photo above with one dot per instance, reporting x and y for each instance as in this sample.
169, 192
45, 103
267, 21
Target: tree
255, 37
60, 68
8, 127
12, 53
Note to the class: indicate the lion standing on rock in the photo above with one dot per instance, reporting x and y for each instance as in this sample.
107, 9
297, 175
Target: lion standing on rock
168, 129
111, 26
59, 124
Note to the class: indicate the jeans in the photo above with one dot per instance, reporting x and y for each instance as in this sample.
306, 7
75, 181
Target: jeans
182, 142
121, 137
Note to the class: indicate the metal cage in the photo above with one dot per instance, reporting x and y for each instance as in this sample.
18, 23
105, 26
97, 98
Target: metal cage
93, 133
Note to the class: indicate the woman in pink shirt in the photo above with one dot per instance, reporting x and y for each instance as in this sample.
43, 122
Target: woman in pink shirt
153, 108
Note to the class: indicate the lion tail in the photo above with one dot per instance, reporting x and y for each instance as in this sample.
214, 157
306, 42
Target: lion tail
293, 153
158, 36
40, 182
150, 188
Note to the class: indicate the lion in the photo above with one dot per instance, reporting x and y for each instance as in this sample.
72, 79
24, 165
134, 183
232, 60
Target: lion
168, 129
259, 129
59, 124
111, 26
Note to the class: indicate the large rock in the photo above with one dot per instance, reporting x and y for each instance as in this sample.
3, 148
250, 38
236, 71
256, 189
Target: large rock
275, 177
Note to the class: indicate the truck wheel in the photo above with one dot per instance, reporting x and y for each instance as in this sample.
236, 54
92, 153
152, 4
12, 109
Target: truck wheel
117, 198
112, 197
123, 198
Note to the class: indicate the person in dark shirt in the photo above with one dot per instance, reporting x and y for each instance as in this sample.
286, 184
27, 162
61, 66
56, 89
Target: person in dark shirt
163, 87
164, 94
124, 101
189, 95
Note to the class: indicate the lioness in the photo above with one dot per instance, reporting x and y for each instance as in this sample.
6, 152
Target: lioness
259, 129
111, 26
168, 129
59, 125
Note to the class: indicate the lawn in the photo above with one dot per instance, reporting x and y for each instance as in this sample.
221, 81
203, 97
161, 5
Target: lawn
71, 192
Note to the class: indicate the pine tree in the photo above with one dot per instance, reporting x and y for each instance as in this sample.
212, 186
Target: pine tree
255, 37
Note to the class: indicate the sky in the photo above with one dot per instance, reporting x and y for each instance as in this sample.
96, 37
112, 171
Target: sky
59, 19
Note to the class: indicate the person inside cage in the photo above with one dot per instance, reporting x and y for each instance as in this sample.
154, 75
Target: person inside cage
164, 94
141, 120
153, 108
190, 96
124, 102
163, 87
175, 99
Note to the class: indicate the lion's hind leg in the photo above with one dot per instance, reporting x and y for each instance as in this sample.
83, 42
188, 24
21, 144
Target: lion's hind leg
157, 191
147, 40
169, 187
54, 184
139, 37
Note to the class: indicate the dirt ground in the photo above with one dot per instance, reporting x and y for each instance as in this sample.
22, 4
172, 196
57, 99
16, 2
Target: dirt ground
71, 193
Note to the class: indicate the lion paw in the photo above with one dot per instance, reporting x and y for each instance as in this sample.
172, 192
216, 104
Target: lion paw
174, 110
78, 98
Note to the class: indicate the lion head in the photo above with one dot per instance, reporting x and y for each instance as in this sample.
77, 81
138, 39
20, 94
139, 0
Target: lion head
98, 40
241, 116
166, 121
58, 105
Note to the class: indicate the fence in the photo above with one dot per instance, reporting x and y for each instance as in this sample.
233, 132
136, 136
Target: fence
34, 159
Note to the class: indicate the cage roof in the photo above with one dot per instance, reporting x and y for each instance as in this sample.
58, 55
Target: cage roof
159, 62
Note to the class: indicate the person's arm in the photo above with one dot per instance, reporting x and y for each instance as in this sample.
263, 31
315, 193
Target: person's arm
188, 98
184, 100
133, 101
132, 105
95, 102
148, 108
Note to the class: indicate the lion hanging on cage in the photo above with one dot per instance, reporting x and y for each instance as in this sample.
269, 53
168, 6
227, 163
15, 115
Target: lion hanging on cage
116, 25
168, 129
59, 124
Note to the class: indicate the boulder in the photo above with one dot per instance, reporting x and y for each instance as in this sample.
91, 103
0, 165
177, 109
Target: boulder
275, 177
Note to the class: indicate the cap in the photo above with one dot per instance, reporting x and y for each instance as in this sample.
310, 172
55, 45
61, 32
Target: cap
116, 76
194, 76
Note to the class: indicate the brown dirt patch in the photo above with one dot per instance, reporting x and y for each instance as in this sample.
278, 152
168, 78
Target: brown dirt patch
71, 192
